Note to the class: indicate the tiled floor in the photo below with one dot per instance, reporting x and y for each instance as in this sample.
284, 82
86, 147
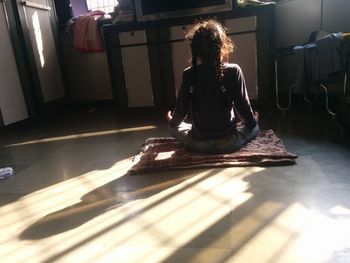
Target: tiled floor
71, 200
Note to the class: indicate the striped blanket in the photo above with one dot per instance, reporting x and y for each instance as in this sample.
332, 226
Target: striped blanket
166, 153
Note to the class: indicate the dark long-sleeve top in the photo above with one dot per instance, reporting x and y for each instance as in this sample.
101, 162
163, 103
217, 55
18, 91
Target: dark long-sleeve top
212, 109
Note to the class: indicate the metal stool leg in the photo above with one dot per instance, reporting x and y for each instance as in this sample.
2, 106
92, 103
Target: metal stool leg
311, 101
327, 102
346, 81
277, 90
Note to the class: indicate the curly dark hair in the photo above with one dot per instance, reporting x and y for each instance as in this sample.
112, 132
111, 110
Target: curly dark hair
210, 43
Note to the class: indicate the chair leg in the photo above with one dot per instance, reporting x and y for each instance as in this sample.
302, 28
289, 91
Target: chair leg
311, 101
346, 82
327, 101
283, 109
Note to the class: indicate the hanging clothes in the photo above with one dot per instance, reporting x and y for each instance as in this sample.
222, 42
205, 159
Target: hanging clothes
330, 55
317, 60
86, 32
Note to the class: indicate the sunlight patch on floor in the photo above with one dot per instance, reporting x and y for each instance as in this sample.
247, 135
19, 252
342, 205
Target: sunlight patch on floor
18, 215
297, 234
83, 135
199, 217
170, 218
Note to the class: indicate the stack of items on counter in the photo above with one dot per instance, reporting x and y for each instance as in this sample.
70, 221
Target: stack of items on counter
124, 11
243, 3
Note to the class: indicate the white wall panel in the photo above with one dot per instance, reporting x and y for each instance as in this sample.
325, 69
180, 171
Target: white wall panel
44, 48
136, 69
12, 104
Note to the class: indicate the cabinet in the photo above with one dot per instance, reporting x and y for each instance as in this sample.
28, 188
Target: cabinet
12, 104
242, 33
161, 59
136, 68
38, 22
180, 53
31, 76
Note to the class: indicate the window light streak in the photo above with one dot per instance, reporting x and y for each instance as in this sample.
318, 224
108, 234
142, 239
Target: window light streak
16, 216
254, 222
38, 37
76, 187
94, 230
164, 155
171, 218
241, 232
184, 199
83, 135
149, 230
103, 201
105, 5
199, 223
147, 204
284, 236
340, 210
59, 240
114, 224
198, 195
322, 233
227, 236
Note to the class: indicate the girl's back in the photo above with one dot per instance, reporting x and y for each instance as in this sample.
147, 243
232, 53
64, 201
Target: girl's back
212, 99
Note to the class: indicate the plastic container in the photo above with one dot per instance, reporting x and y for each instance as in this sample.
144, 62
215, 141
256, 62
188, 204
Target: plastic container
6, 173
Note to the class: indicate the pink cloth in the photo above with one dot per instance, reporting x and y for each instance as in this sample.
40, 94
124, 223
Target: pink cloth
86, 34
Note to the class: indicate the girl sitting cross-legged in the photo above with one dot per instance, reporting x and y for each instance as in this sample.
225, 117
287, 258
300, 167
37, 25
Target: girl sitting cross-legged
213, 95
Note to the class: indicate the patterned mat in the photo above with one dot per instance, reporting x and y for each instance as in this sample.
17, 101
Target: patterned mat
166, 153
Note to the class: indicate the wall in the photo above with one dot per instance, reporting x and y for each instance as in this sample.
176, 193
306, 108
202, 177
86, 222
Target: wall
296, 19
336, 15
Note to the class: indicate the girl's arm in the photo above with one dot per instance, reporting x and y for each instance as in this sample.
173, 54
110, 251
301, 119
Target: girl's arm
241, 100
183, 102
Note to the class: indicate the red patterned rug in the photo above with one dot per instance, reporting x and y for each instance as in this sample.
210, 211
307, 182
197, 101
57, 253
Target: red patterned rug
166, 153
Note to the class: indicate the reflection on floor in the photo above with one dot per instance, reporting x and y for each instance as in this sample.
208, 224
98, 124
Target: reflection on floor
72, 200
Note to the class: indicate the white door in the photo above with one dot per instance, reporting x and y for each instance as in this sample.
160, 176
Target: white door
136, 69
12, 104
37, 15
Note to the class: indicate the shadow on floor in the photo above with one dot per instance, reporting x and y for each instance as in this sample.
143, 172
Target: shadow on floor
252, 218
109, 196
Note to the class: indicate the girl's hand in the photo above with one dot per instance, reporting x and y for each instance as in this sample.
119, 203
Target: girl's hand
256, 116
169, 116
